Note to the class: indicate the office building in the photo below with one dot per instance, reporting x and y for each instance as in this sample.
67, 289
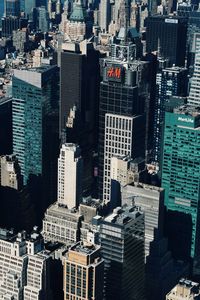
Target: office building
172, 33
62, 221
70, 176
180, 179
12, 8
124, 135
61, 225
5, 126
193, 98
13, 262
184, 290
162, 271
75, 29
122, 242
170, 82
28, 8
124, 171
192, 32
35, 109
41, 19
151, 201
20, 40
105, 15
124, 92
119, 167
10, 174
83, 272
12, 23
79, 101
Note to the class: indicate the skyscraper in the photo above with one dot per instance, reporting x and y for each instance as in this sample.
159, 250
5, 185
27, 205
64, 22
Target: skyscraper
83, 272
180, 179
193, 98
12, 8
105, 14
79, 90
122, 242
124, 91
172, 32
5, 126
70, 176
35, 106
170, 82
62, 221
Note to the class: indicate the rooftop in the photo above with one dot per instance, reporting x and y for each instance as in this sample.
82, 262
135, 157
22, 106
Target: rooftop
188, 110
84, 248
123, 215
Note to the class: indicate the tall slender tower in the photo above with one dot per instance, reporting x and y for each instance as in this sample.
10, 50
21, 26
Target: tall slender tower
69, 175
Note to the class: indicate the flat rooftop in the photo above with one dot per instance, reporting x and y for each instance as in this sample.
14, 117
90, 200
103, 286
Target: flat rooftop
188, 110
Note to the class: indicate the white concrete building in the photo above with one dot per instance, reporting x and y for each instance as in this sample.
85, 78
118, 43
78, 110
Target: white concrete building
13, 265
124, 136
10, 172
69, 176
184, 290
193, 98
61, 225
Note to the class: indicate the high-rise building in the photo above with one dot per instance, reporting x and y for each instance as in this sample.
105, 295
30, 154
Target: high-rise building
5, 126
184, 290
70, 176
41, 19
35, 109
162, 271
10, 174
12, 8
75, 28
180, 179
193, 98
122, 242
79, 100
12, 23
124, 135
105, 15
83, 272
151, 201
172, 33
62, 221
13, 262
124, 91
170, 82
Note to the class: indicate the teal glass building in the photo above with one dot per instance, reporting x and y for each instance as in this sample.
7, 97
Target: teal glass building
181, 179
35, 109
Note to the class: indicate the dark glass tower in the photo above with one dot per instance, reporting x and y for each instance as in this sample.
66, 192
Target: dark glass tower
170, 82
79, 93
5, 126
12, 8
172, 33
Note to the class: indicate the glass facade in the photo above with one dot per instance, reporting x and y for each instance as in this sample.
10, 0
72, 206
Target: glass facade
180, 179
34, 103
170, 82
